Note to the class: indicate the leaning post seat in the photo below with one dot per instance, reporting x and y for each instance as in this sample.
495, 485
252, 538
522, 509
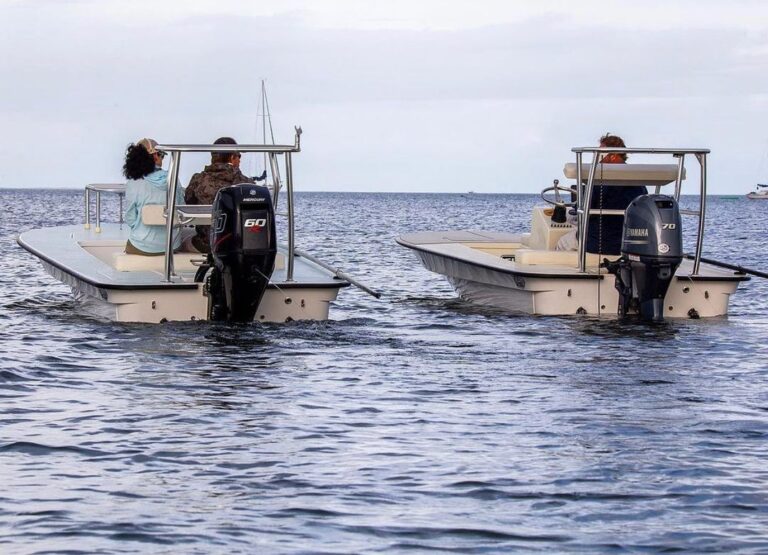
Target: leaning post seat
154, 214
651, 175
186, 214
182, 262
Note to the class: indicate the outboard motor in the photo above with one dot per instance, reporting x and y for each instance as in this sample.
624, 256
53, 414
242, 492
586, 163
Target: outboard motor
651, 251
243, 248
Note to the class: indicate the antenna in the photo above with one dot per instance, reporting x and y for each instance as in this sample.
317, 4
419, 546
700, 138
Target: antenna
264, 117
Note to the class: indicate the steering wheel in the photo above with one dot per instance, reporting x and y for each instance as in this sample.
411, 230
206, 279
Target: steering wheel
557, 189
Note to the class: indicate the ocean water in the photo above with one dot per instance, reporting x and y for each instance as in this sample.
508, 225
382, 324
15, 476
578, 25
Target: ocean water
411, 424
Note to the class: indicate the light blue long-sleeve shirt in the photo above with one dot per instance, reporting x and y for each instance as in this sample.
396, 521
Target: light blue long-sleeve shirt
146, 191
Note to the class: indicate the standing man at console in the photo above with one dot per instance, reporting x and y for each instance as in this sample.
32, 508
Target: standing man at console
604, 232
224, 170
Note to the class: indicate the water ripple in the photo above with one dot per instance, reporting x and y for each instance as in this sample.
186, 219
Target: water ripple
413, 423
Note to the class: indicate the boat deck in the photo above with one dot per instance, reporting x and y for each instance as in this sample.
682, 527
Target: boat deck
94, 259
509, 253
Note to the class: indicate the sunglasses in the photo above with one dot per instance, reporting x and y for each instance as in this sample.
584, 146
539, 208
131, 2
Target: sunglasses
160, 153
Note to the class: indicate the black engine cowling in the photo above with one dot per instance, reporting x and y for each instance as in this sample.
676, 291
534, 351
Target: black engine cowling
243, 249
652, 250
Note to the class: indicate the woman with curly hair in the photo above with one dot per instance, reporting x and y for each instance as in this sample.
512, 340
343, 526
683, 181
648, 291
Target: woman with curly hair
147, 184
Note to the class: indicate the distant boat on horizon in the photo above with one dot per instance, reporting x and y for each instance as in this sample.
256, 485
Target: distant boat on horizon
760, 193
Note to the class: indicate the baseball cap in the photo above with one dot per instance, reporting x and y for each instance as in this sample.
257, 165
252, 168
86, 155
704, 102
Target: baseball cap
150, 145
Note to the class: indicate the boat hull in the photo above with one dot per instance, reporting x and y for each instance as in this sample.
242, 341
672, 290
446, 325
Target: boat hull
85, 261
530, 290
148, 306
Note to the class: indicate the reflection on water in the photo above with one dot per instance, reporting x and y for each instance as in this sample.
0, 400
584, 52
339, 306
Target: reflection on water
414, 423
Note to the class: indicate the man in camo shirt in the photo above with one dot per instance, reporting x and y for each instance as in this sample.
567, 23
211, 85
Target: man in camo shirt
223, 171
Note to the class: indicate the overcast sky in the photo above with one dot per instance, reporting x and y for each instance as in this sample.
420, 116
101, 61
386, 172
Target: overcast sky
417, 95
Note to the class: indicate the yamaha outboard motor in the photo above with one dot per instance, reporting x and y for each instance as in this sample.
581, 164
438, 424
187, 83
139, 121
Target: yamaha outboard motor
651, 249
243, 248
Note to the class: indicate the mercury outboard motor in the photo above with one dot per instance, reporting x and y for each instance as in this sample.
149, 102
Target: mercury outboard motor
243, 248
651, 251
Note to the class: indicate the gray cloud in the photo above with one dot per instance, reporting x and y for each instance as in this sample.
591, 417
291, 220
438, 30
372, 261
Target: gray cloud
525, 91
